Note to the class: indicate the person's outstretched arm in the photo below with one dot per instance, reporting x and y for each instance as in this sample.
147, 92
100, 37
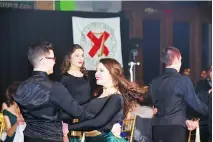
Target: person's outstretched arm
110, 109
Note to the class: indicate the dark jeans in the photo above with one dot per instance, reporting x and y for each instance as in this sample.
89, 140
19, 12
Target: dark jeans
169, 133
29, 139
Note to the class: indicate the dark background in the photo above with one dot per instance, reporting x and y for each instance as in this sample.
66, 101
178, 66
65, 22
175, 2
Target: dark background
21, 28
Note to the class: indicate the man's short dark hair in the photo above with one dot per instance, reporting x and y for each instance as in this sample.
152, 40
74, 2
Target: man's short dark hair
37, 50
169, 54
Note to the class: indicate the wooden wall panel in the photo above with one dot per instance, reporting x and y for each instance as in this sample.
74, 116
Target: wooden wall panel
195, 49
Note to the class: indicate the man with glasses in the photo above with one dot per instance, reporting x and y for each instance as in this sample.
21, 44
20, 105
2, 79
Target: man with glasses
40, 98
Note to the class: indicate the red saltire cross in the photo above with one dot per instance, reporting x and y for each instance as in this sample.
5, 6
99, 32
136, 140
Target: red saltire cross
97, 43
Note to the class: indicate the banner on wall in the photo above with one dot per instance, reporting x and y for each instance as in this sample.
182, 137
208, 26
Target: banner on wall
100, 38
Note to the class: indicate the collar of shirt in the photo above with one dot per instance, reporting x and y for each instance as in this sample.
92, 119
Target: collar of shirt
170, 70
40, 73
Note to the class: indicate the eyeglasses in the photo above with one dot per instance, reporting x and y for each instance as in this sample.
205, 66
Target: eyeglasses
52, 58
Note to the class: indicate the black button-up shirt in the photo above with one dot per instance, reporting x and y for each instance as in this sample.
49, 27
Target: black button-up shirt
40, 99
171, 92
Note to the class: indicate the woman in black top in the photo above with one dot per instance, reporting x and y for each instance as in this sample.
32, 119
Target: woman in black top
75, 78
74, 75
115, 99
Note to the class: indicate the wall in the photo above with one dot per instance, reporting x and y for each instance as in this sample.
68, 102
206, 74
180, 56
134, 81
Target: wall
136, 14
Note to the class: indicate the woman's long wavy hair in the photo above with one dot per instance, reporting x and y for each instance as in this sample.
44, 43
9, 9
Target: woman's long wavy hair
10, 92
65, 66
131, 92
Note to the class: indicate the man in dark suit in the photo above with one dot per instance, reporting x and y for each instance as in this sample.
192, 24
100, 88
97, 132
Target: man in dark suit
171, 92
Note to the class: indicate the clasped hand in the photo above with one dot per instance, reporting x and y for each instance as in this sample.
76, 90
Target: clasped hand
192, 125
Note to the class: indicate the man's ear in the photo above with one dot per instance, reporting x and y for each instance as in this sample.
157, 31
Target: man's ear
175, 61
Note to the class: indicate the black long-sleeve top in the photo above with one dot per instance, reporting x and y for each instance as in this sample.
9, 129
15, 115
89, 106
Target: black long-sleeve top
171, 92
203, 85
40, 99
78, 87
202, 90
107, 111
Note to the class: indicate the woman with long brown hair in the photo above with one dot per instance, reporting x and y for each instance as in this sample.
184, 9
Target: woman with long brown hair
74, 75
75, 78
114, 100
